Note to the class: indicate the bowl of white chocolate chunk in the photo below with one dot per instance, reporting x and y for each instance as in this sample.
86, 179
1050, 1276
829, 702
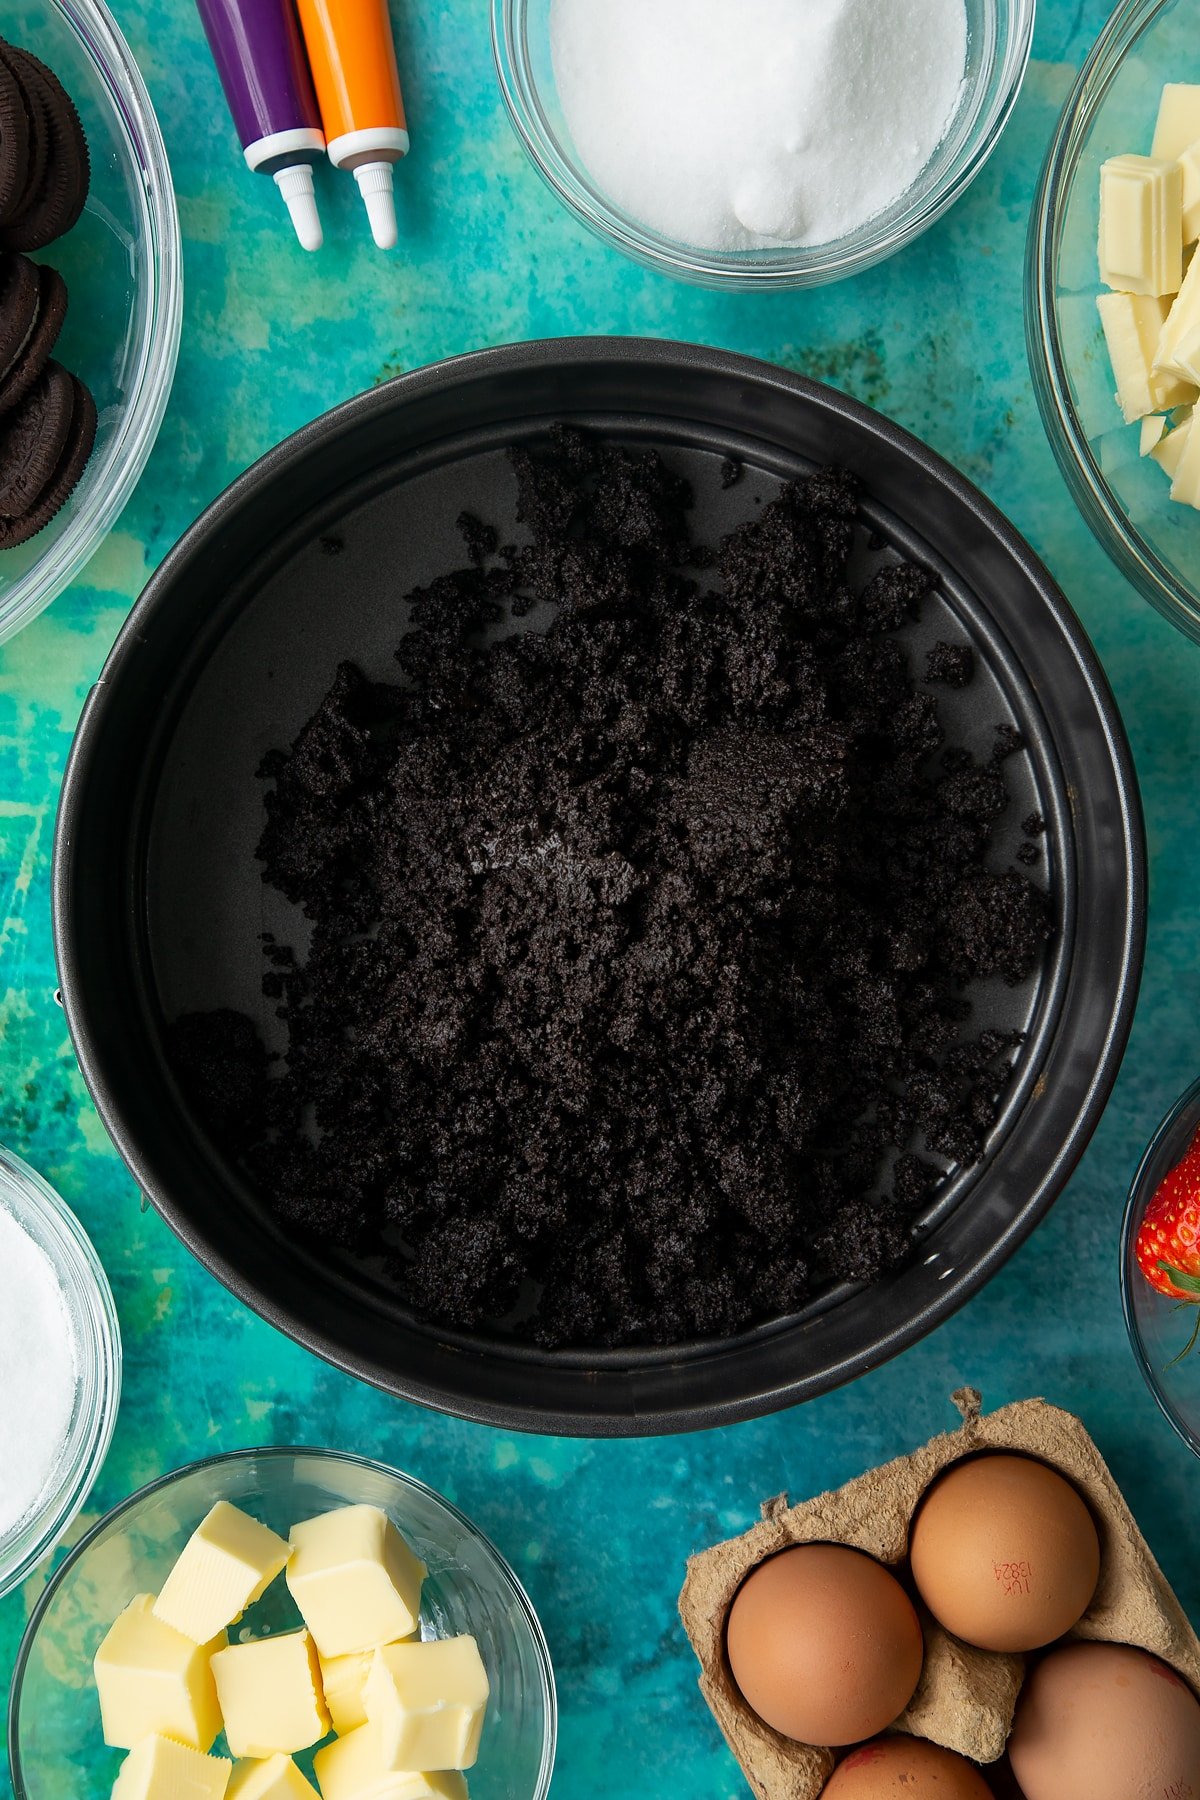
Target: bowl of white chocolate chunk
1113, 298
283, 1624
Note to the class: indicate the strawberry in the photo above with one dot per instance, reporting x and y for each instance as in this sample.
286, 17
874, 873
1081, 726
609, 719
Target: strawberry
1168, 1240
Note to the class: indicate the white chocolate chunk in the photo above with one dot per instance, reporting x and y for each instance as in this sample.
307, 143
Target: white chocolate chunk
1185, 482
154, 1681
160, 1769
1184, 310
270, 1695
1141, 225
1185, 358
355, 1580
343, 1679
1133, 326
1189, 172
351, 1769
1168, 453
277, 1778
1153, 428
226, 1564
1178, 123
427, 1701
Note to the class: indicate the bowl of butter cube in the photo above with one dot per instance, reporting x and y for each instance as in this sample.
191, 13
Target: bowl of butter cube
283, 1624
1112, 303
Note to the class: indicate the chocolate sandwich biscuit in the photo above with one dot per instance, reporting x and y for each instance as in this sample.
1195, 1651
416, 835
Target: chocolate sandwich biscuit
33, 438
81, 436
20, 289
34, 354
14, 141
48, 209
41, 133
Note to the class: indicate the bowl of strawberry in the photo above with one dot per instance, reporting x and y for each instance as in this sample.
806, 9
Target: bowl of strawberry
1160, 1266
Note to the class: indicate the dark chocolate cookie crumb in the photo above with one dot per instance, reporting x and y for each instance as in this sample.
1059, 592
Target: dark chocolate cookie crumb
731, 472
634, 1008
1034, 825
951, 664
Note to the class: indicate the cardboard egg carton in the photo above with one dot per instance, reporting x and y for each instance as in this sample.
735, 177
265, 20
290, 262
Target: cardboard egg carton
966, 1697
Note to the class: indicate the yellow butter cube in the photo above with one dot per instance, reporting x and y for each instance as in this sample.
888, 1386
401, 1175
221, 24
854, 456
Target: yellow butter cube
160, 1769
1153, 430
427, 1702
355, 1580
270, 1695
1141, 225
276, 1778
343, 1679
153, 1680
226, 1564
352, 1769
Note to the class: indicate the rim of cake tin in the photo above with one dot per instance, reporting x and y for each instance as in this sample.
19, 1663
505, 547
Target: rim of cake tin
126, 456
461, 1398
805, 267
271, 1453
1137, 559
78, 1269
1188, 1102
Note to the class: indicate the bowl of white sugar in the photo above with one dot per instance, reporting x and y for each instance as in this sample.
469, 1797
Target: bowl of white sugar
760, 143
60, 1369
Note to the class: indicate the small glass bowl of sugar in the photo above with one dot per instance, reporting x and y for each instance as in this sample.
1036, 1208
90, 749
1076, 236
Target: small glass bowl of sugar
763, 144
60, 1369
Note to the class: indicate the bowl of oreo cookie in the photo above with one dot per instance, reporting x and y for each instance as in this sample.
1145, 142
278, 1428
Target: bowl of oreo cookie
571, 895
90, 291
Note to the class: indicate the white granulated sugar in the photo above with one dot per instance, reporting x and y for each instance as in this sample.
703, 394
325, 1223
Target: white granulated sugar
740, 124
37, 1372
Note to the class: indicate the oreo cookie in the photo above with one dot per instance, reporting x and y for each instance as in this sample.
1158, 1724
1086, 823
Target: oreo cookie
58, 170
64, 477
14, 141
19, 301
24, 369
32, 440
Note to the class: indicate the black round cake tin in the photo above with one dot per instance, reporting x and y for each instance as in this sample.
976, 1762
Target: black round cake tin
304, 562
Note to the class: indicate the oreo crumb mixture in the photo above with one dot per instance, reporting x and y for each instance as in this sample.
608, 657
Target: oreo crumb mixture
634, 1008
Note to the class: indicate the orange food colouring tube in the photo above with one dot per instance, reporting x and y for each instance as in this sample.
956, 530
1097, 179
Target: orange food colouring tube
353, 59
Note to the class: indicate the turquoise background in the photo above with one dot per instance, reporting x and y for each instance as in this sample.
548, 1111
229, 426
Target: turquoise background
599, 1531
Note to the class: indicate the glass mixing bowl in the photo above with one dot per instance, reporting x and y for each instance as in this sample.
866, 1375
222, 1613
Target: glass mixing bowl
123, 269
54, 1743
1160, 1328
1000, 33
1123, 496
97, 1342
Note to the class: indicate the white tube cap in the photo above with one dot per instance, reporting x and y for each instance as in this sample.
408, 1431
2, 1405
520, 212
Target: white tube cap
295, 183
375, 185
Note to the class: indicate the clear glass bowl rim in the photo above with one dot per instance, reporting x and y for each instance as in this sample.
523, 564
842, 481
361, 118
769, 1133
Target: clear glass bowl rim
790, 268
100, 1380
1136, 559
1188, 1102
275, 1452
96, 28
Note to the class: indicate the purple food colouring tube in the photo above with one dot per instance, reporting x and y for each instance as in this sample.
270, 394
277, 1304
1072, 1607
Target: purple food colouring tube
260, 57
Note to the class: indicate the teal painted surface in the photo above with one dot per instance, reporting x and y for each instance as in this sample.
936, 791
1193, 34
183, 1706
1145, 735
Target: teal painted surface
598, 1531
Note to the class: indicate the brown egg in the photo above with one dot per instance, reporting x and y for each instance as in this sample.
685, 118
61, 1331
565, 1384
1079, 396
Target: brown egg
1004, 1553
824, 1644
1103, 1722
907, 1768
